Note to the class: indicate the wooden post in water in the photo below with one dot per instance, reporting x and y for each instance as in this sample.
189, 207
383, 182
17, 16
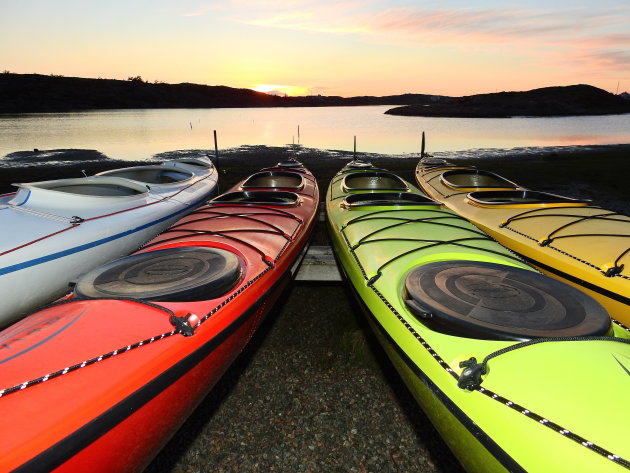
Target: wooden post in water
354, 155
422, 146
216, 157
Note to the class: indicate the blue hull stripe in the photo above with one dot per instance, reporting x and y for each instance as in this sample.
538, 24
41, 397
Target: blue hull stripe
76, 249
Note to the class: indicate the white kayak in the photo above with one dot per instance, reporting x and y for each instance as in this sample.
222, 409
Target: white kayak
54, 231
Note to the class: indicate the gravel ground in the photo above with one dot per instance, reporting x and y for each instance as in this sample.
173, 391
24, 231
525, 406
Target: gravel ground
302, 398
313, 391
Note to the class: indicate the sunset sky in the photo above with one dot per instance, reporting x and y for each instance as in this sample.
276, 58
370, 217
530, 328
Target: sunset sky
345, 47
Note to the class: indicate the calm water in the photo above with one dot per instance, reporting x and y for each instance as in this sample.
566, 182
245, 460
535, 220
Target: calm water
137, 134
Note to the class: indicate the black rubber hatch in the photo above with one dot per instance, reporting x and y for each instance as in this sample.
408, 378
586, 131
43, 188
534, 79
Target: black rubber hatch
497, 302
172, 274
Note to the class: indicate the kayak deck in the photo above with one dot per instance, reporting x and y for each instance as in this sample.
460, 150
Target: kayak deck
570, 239
521, 411
98, 369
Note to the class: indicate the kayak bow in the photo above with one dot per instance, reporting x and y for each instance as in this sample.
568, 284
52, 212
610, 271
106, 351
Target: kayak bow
100, 382
517, 371
568, 239
62, 228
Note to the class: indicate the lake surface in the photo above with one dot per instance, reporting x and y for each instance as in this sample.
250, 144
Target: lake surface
139, 134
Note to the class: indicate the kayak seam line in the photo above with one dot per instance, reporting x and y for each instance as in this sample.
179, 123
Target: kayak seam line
233, 296
83, 364
579, 218
591, 265
60, 452
121, 350
580, 282
627, 329
529, 414
416, 335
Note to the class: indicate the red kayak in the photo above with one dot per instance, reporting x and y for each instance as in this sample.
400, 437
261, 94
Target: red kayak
101, 380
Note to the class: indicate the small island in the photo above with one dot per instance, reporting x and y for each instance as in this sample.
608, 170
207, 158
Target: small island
544, 102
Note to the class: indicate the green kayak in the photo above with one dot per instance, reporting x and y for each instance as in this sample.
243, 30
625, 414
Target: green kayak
517, 371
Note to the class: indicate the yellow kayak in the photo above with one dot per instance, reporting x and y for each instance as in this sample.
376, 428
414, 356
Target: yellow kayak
569, 239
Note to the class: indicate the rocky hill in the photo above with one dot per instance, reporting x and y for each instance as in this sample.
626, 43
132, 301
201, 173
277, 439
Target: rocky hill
544, 102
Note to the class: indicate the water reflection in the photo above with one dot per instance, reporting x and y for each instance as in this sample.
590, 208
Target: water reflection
138, 134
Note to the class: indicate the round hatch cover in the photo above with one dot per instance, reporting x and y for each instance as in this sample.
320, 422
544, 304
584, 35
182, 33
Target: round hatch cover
497, 302
172, 274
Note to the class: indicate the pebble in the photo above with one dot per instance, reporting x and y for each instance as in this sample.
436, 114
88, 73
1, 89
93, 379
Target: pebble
299, 400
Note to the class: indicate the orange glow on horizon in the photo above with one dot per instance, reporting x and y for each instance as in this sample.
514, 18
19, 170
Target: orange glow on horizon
290, 90
348, 49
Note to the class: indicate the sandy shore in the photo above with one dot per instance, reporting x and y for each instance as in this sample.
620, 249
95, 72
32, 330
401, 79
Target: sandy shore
314, 392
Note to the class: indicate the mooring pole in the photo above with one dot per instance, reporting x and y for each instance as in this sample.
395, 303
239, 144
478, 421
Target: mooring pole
216, 158
354, 155
422, 146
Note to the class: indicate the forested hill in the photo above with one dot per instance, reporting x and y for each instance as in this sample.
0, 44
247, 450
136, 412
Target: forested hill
547, 101
21, 93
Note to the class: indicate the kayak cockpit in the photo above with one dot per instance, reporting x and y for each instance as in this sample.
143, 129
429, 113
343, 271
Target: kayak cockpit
173, 274
275, 198
394, 199
435, 164
203, 163
373, 181
151, 174
497, 302
274, 180
521, 198
472, 179
84, 186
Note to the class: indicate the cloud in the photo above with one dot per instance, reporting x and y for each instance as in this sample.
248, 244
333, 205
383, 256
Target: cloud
577, 36
491, 25
304, 15
601, 60
437, 25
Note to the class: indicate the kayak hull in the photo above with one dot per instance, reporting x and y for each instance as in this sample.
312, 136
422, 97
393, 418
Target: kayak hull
457, 430
137, 427
112, 379
64, 229
518, 416
567, 239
